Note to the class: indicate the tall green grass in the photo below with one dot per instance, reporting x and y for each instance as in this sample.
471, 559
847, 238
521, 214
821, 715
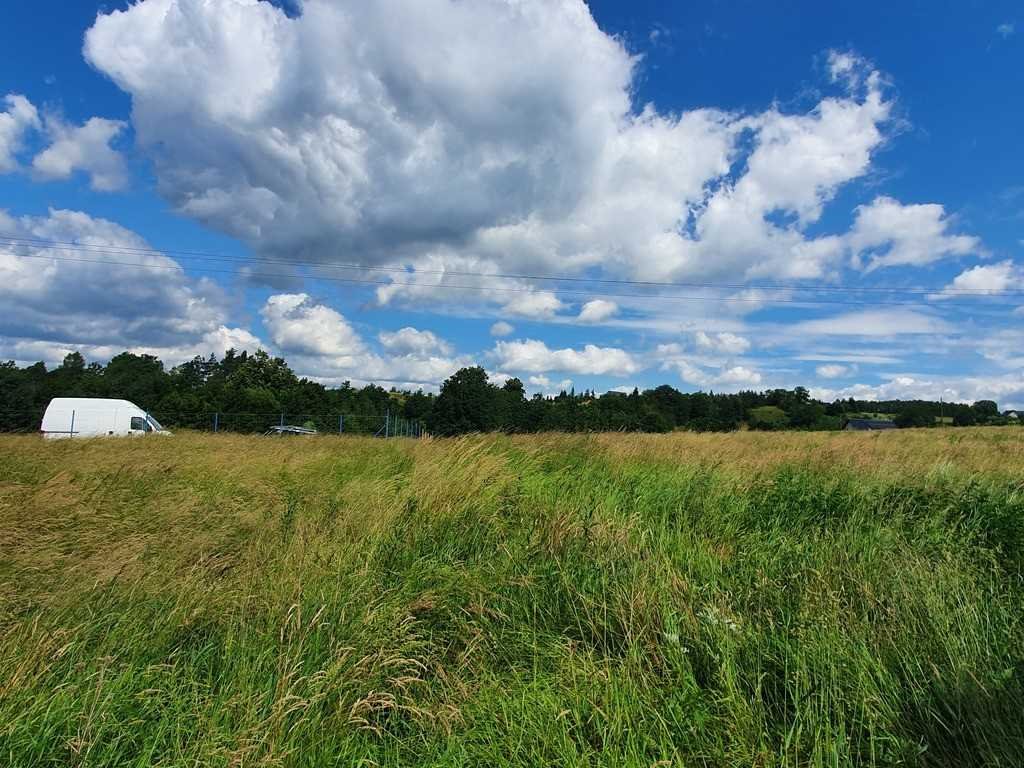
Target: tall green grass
228, 601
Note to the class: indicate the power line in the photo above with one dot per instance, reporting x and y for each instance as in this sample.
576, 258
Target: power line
501, 289
244, 260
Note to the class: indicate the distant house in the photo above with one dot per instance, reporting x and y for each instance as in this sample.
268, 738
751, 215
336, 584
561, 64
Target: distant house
869, 425
1015, 415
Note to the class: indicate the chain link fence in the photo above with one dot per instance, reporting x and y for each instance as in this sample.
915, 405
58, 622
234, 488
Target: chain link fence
386, 425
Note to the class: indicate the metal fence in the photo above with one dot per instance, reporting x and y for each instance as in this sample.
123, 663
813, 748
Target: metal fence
387, 425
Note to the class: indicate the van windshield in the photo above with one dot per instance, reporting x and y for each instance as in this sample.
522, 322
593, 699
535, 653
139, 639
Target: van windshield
154, 423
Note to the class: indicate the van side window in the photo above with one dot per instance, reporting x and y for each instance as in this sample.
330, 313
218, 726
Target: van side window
138, 423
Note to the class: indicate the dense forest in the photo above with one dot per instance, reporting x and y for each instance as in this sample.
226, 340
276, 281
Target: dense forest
249, 392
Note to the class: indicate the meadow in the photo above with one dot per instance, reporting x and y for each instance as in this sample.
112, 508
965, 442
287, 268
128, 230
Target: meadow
746, 599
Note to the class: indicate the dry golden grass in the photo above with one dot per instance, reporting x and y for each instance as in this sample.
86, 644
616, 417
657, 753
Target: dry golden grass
54, 489
891, 453
790, 599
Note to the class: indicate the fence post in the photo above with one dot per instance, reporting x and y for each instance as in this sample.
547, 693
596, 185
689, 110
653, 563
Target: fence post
282, 419
341, 423
72, 432
216, 421
387, 421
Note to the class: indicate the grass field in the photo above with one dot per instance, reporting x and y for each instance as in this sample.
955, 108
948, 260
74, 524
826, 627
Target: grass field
753, 599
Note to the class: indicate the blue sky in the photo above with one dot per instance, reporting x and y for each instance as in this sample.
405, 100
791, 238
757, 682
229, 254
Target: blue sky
735, 195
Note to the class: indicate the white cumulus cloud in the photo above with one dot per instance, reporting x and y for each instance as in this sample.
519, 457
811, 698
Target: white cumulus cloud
730, 378
320, 343
532, 356
1002, 276
501, 135
834, 371
535, 304
413, 341
1005, 389
58, 296
724, 343
888, 234
16, 120
597, 310
298, 324
546, 386
85, 148
71, 147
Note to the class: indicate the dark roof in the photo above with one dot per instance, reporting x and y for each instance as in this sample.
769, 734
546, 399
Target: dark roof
869, 424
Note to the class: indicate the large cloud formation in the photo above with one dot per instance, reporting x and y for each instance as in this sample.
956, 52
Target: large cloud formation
503, 136
54, 299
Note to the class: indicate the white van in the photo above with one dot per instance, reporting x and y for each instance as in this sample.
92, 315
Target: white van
96, 417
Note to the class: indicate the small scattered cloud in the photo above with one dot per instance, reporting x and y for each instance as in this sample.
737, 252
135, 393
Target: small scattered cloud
980, 280
71, 148
740, 376
547, 386
19, 117
707, 373
532, 356
887, 233
501, 328
834, 371
597, 310
1006, 30
724, 343
412, 341
298, 324
844, 65
535, 304
660, 37
85, 148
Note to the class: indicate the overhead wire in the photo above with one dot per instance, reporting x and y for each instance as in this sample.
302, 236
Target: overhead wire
86, 248
501, 289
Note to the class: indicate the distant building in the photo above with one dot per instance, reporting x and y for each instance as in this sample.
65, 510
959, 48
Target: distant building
1012, 415
869, 425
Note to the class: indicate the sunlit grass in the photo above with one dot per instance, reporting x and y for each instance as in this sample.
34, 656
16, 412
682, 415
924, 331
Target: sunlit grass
708, 600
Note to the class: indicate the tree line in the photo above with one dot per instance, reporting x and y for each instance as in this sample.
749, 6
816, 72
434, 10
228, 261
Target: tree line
246, 392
